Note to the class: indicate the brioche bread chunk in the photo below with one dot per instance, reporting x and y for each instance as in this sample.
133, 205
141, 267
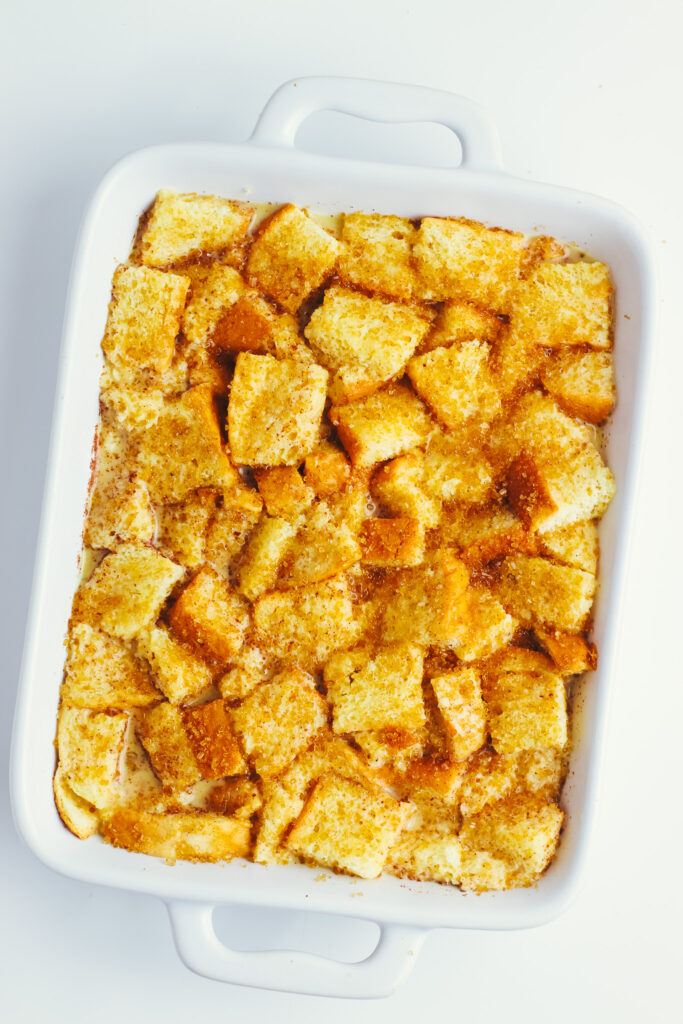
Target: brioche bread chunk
230, 527
324, 546
264, 554
536, 591
490, 627
582, 382
187, 224
283, 491
182, 527
428, 854
345, 826
214, 290
456, 469
101, 672
428, 605
249, 667
460, 702
79, 815
377, 254
210, 617
183, 836
252, 325
144, 319
373, 690
275, 410
120, 507
576, 545
162, 733
565, 304
482, 535
525, 711
400, 487
179, 674
307, 624
326, 470
392, 542
90, 745
572, 654
125, 592
387, 423
522, 831
279, 720
458, 259
291, 256
456, 383
460, 321
212, 740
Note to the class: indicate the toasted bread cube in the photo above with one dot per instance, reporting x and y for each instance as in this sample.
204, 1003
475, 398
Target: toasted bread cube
518, 659
251, 325
582, 383
291, 257
237, 796
350, 384
458, 695
376, 256
90, 744
345, 826
162, 733
101, 673
250, 666
183, 836
536, 591
488, 778
428, 605
489, 626
387, 423
461, 321
279, 720
465, 260
183, 527
78, 814
214, 291
307, 623
213, 741
526, 712
572, 654
480, 872
549, 493
576, 544
399, 486
377, 690
280, 809
515, 361
211, 617
541, 771
426, 855
456, 383
539, 426
186, 224
565, 304
522, 830
119, 514
231, 525
543, 249
483, 536
393, 748
283, 491
324, 546
275, 410
178, 672
268, 545
128, 406
392, 542
327, 470
371, 336
457, 470
126, 591
185, 450
144, 319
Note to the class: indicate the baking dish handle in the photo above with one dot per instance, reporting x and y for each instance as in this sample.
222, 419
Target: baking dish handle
294, 101
378, 975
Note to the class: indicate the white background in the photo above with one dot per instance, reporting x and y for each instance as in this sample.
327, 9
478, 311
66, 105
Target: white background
587, 94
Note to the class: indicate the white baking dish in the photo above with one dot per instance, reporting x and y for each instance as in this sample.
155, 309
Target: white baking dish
270, 168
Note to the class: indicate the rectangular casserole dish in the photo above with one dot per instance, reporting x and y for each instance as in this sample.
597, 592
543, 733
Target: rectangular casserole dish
269, 168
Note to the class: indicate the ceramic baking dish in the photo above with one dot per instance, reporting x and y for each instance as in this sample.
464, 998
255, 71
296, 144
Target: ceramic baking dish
270, 168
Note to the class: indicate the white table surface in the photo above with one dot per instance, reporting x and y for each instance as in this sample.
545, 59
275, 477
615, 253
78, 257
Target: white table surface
586, 94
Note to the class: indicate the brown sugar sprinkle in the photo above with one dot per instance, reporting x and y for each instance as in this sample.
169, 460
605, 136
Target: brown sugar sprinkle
342, 543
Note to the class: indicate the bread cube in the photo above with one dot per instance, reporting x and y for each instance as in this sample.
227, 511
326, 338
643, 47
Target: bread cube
323, 547
162, 733
387, 423
539, 426
185, 450
571, 654
187, 224
480, 872
393, 748
210, 617
489, 626
456, 383
365, 334
488, 777
231, 525
565, 304
345, 826
212, 740
516, 362
144, 319
101, 673
376, 254
280, 809
460, 321
399, 486
279, 720
89, 744
307, 623
392, 542
214, 290
268, 545
541, 772
180, 675
428, 605
251, 325
522, 831
426, 855
485, 535
126, 591
119, 514
183, 836
582, 382
526, 712
183, 526
458, 259
518, 659
576, 544
283, 491
543, 249
79, 816
250, 666
373, 690
127, 406
326, 470
237, 796
458, 695
539, 592
275, 410
291, 257
455, 469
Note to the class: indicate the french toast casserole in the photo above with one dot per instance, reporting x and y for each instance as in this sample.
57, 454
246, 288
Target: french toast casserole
341, 547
